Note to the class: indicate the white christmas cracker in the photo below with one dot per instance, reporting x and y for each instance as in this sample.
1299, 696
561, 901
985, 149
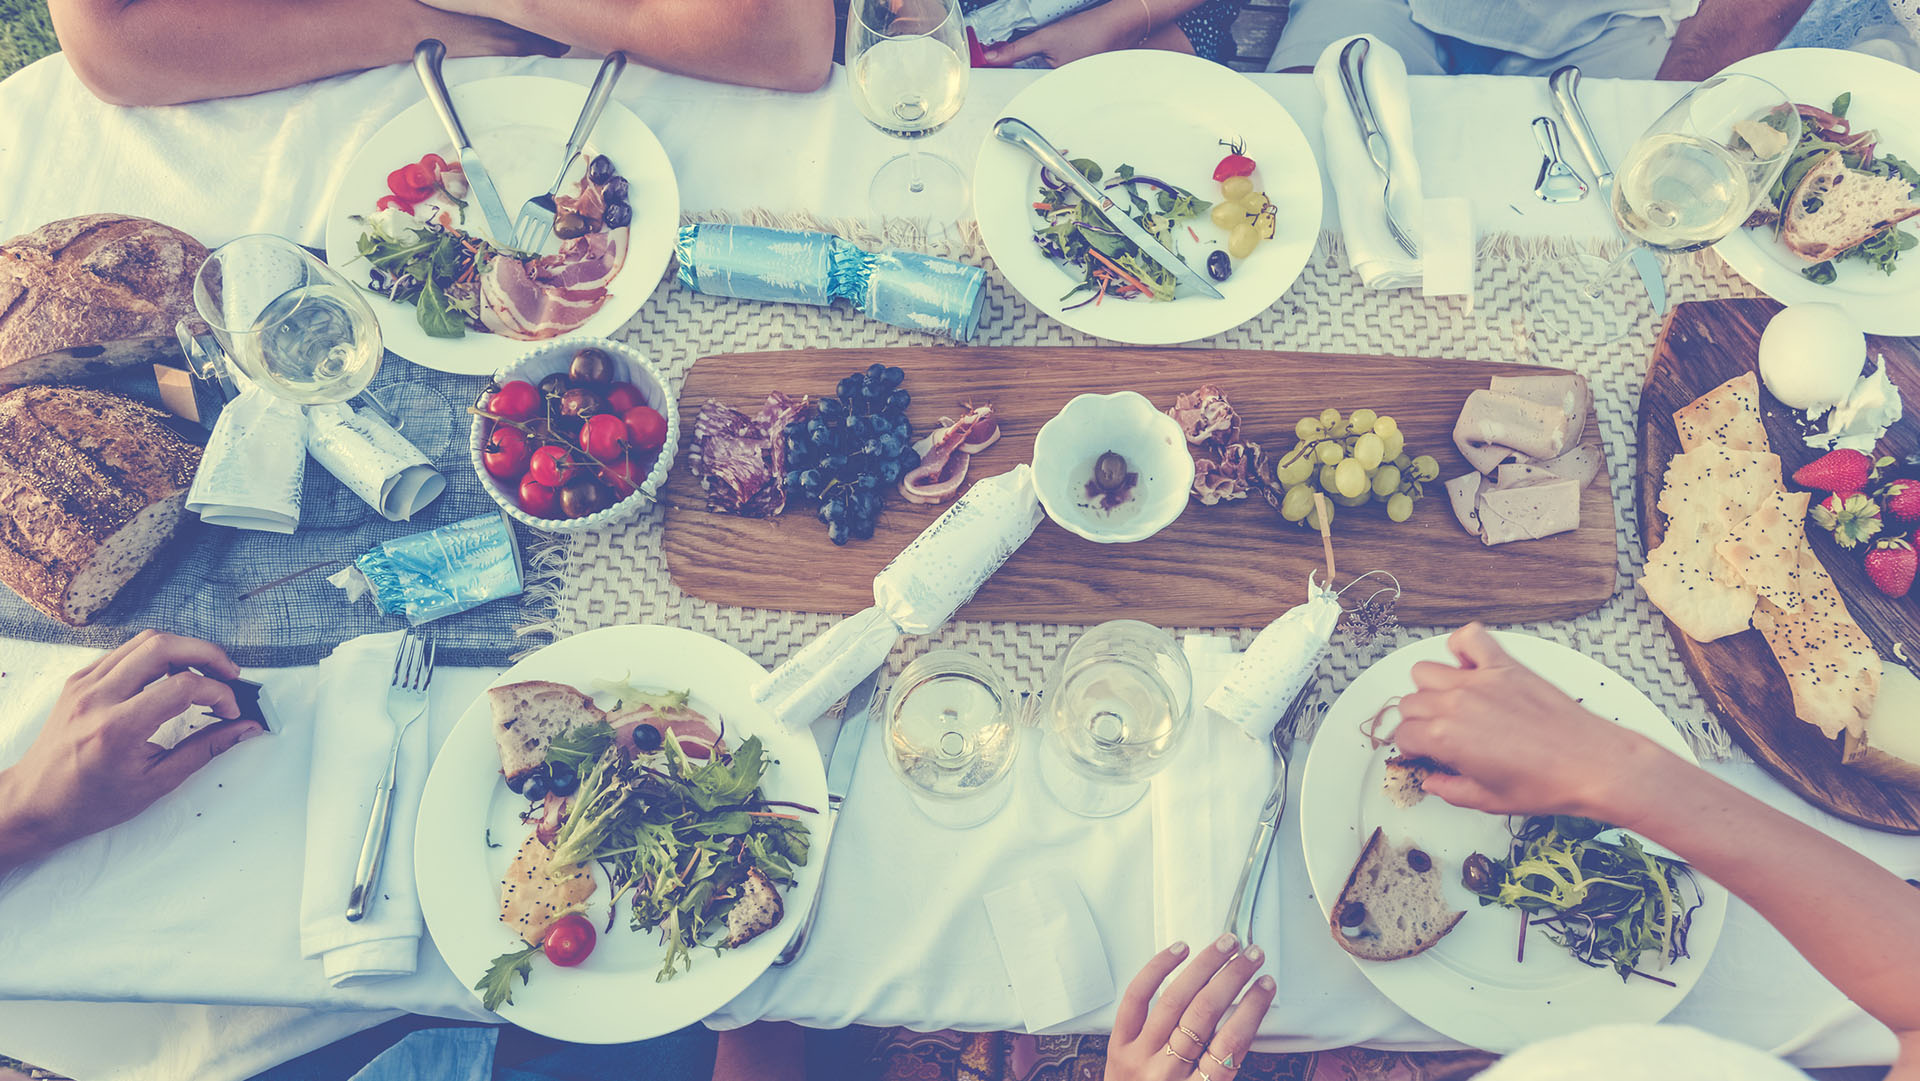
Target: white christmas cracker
1278, 663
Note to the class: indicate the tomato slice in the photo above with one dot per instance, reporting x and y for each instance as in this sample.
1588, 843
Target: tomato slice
393, 202
434, 162
410, 182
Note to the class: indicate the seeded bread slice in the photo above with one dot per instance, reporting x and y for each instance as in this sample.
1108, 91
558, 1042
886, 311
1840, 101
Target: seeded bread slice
528, 716
1406, 779
1390, 908
756, 912
1852, 208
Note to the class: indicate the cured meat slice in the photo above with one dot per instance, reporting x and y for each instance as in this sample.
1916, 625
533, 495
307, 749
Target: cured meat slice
740, 460
945, 454
1206, 416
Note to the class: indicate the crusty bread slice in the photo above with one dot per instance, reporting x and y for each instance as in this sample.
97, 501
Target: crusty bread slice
528, 716
1406, 779
1853, 208
1395, 909
756, 912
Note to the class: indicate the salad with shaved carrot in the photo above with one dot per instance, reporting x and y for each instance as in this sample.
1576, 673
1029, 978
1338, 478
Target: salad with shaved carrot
1073, 233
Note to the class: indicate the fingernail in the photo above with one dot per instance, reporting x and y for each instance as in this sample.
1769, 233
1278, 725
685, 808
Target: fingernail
1256, 954
250, 732
1226, 943
992, 54
1266, 983
1178, 949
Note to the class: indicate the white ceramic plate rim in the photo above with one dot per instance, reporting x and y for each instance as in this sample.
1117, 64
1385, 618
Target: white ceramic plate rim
612, 997
1883, 96
1483, 1000
487, 105
1098, 101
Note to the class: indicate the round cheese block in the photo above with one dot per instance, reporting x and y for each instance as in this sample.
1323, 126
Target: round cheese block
1811, 355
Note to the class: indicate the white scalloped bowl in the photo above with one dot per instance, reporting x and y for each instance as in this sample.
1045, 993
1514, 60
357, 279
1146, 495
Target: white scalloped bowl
548, 357
1130, 425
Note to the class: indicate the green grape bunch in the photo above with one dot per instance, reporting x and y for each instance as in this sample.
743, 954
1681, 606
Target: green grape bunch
1353, 460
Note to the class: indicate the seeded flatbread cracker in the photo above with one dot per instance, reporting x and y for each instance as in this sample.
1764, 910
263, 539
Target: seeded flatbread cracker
1719, 484
1763, 552
1729, 415
1707, 492
535, 892
1830, 663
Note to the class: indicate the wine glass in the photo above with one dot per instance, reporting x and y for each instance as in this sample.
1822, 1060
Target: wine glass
1691, 179
1115, 711
907, 63
951, 738
289, 321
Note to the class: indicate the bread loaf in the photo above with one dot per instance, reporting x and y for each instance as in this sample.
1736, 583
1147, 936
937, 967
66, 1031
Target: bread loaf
92, 484
83, 296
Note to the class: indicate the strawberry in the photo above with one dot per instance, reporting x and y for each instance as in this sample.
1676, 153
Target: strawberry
1901, 500
1891, 565
1851, 517
1835, 471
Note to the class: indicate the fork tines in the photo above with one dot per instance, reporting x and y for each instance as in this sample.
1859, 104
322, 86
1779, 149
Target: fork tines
413, 661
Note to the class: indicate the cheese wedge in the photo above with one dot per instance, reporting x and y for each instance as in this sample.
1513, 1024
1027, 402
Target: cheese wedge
1888, 746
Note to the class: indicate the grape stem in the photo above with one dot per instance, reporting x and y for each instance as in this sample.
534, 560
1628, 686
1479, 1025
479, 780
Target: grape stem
1326, 533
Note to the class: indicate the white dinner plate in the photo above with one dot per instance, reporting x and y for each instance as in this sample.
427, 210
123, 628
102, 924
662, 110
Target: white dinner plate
612, 997
1166, 115
1469, 986
519, 124
1884, 94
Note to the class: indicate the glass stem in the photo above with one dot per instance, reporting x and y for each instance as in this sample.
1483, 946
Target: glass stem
1598, 282
913, 162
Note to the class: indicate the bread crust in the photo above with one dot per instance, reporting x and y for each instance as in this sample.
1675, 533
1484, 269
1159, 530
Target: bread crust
1367, 853
86, 295
1832, 171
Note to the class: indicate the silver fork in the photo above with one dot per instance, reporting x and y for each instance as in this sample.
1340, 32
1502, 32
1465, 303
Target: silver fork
535, 221
1353, 61
1246, 892
406, 702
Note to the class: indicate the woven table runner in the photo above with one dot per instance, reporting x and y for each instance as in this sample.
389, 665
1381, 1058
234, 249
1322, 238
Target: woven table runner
618, 575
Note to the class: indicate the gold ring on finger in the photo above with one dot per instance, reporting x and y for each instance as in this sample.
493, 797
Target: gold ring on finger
1204, 1076
1226, 1062
1181, 1057
1199, 1041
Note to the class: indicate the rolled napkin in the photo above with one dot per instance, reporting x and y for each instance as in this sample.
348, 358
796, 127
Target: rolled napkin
351, 735
1442, 229
377, 463
254, 466
920, 590
442, 571
904, 289
1278, 663
1051, 947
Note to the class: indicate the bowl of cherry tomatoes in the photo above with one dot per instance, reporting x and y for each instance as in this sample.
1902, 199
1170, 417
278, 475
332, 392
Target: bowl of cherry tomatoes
578, 433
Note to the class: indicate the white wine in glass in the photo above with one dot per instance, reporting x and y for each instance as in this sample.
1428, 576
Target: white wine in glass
288, 320
907, 64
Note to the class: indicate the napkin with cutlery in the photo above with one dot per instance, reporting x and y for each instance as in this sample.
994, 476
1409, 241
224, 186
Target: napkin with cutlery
1442, 229
351, 735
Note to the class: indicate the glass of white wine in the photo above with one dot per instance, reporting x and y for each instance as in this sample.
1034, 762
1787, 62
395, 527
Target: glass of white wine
1691, 179
907, 63
951, 737
289, 321
1114, 712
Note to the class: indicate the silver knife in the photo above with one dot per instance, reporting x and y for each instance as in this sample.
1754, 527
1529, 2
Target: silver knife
426, 62
846, 755
1564, 84
1021, 134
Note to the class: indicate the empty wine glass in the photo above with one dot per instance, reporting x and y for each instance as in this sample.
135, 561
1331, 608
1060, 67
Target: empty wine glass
1691, 179
951, 737
1114, 713
907, 63
289, 321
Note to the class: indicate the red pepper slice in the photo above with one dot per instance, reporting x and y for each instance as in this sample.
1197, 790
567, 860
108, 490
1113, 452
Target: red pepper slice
393, 202
434, 162
411, 183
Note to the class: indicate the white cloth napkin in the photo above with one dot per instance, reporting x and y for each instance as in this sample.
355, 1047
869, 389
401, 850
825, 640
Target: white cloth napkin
256, 459
1441, 228
351, 736
1051, 948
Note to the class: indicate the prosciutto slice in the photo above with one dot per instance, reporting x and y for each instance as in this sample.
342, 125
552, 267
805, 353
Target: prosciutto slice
697, 737
945, 455
533, 299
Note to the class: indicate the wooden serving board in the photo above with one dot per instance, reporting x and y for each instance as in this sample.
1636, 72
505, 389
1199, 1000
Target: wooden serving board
1703, 345
1232, 565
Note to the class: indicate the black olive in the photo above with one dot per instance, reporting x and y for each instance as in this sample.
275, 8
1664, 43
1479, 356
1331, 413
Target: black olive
647, 738
591, 366
1353, 914
1478, 874
562, 779
1220, 265
1109, 472
600, 169
535, 786
585, 496
615, 191
515, 784
1419, 861
617, 215
581, 402
569, 224
555, 385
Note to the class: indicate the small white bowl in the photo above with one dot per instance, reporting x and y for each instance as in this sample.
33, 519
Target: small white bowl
548, 357
1128, 424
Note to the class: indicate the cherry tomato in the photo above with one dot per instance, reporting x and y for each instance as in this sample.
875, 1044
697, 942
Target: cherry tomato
1234, 164
538, 499
604, 436
569, 940
646, 428
550, 466
434, 162
506, 453
624, 396
517, 400
623, 475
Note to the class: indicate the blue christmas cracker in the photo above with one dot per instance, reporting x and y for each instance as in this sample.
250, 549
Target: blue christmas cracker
446, 570
904, 289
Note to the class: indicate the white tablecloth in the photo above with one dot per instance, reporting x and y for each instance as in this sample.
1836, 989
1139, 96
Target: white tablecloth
267, 163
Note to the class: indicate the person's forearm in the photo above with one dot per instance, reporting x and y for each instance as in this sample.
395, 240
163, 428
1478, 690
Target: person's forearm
1856, 922
778, 44
1723, 31
25, 836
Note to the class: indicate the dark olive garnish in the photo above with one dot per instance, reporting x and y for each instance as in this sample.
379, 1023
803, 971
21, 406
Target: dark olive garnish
615, 191
591, 366
562, 779
647, 738
617, 215
1353, 914
1109, 472
535, 786
1219, 265
1478, 874
581, 402
571, 223
1419, 860
600, 169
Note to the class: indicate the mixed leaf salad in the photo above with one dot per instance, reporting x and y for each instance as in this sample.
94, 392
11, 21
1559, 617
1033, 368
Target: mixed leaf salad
427, 264
1607, 902
1072, 231
1823, 131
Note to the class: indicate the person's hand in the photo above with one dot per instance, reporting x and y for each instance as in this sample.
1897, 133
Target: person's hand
1518, 743
1116, 24
92, 766
479, 28
1181, 1037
